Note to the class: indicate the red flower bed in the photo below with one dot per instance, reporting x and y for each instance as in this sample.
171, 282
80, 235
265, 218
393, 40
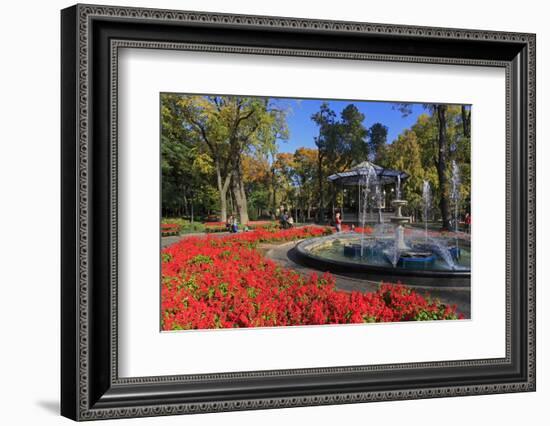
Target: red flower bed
262, 235
224, 283
358, 229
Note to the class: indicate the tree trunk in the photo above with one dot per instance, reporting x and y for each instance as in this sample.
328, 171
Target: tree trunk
273, 193
223, 186
321, 210
466, 117
244, 203
441, 111
185, 204
240, 200
239, 194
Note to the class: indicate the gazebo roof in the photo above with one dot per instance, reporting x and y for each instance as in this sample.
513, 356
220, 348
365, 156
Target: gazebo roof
353, 175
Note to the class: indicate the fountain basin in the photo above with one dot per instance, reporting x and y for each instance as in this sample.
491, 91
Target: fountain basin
416, 260
354, 250
421, 259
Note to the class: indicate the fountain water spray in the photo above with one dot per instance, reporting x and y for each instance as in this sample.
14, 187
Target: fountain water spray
388, 249
399, 220
378, 200
427, 204
368, 180
441, 248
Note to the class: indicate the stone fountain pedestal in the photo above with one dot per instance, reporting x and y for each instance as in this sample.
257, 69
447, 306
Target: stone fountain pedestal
400, 220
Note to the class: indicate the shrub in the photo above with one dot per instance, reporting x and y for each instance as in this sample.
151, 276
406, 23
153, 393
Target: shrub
185, 225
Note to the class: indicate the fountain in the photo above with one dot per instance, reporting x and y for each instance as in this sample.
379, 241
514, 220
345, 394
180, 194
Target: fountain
390, 249
368, 180
399, 220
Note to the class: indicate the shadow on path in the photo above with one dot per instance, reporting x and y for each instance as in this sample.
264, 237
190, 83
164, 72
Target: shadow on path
285, 255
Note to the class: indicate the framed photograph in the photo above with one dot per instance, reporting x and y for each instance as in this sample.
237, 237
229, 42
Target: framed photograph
263, 212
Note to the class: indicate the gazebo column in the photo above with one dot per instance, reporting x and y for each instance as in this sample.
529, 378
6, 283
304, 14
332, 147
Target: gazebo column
363, 172
358, 205
343, 202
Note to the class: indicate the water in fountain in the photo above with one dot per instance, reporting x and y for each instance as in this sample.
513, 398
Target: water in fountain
394, 253
443, 251
455, 197
390, 245
427, 204
378, 203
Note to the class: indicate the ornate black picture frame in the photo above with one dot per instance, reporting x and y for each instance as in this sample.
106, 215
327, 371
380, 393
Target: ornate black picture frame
91, 37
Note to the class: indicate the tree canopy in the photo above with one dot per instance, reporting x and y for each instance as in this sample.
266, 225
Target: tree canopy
220, 155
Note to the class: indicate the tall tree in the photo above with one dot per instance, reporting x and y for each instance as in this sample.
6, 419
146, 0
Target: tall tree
186, 169
204, 116
350, 143
405, 154
441, 160
441, 113
231, 126
306, 171
378, 137
256, 176
466, 113
285, 169
262, 125
340, 143
426, 129
325, 118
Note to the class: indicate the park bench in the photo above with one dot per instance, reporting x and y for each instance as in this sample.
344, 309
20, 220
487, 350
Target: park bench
167, 229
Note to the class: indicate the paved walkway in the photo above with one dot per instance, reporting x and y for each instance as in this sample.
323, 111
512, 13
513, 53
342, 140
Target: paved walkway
284, 255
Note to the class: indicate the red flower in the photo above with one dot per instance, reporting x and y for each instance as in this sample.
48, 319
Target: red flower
210, 282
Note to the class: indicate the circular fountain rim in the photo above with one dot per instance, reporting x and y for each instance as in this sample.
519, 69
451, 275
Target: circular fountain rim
333, 265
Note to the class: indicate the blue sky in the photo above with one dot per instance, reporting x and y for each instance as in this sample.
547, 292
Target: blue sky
302, 129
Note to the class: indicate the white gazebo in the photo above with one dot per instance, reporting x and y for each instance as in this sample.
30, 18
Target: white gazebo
357, 175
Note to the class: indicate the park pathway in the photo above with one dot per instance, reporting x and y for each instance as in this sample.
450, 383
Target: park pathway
283, 254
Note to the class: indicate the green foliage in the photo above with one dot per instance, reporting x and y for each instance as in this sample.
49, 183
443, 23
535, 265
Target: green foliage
185, 225
200, 259
204, 142
378, 137
258, 201
416, 152
341, 142
219, 155
186, 167
405, 155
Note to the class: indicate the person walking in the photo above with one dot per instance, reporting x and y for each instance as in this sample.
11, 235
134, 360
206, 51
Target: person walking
338, 222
